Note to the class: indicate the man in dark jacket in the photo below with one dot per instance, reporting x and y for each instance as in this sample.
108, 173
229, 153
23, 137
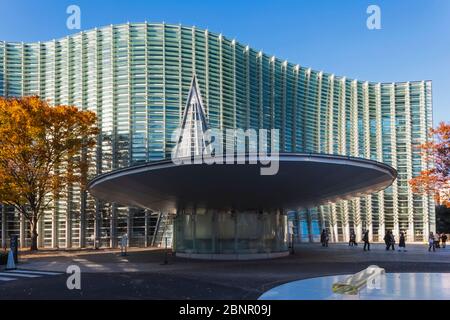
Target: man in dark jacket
389, 240
444, 240
324, 238
366, 240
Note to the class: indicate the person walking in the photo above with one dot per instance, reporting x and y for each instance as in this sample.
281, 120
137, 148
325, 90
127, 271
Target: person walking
444, 240
366, 240
402, 242
352, 241
431, 242
391, 240
387, 239
436, 240
324, 238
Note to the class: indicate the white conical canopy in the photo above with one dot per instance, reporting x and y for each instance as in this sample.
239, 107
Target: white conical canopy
191, 140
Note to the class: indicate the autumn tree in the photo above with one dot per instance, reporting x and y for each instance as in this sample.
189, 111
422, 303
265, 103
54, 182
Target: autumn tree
435, 181
43, 150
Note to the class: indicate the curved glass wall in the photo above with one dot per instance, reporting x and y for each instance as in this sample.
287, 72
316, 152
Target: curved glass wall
213, 232
136, 78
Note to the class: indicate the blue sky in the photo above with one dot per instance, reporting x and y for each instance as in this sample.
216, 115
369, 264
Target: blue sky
328, 35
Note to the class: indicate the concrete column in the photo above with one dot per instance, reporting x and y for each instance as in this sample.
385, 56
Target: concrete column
297, 225
22, 231
381, 232
396, 230
146, 226
410, 231
309, 222
370, 228
82, 241
4, 223
112, 227
69, 228
97, 222
54, 228
194, 231
40, 230
425, 219
129, 225
335, 232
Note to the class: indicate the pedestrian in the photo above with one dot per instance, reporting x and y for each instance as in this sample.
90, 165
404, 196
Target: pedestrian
352, 241
387, 239
324, 238
444, 240
431, 242
366, 240
124, 245
402, 242
391, 240
436, 240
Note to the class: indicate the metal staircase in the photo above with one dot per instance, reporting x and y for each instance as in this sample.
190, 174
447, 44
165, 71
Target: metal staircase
163, 229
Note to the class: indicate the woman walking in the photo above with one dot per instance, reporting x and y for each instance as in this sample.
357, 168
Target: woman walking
402, 242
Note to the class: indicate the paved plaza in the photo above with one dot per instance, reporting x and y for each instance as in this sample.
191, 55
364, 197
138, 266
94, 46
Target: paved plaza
142, 274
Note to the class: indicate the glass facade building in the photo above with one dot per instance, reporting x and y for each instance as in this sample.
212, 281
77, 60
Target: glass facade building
136, 78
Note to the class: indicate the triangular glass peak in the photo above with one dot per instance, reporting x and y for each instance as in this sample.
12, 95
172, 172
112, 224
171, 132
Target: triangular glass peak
191, 140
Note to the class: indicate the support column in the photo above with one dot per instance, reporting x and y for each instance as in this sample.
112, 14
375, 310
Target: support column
369, 223
334, 234
40, 230
22, 232
82, 241
381, 226
146, 226
308, 221
129, 225
69, 226
97, 223
54, 228
357, 219
345, 222
112, 227
194, 231
4, 223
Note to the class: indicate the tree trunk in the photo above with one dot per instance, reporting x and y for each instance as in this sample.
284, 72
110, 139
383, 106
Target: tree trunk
34, 235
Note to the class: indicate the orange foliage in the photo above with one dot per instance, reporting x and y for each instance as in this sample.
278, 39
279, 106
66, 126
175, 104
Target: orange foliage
436, 180
43, 150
